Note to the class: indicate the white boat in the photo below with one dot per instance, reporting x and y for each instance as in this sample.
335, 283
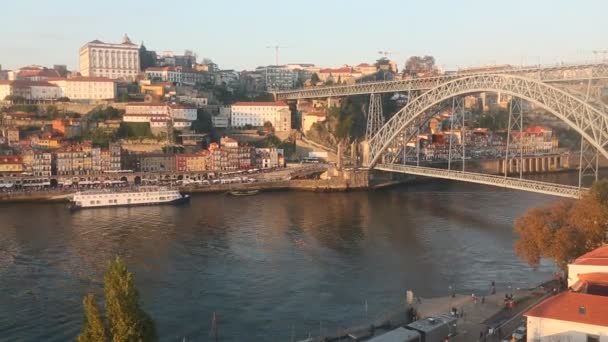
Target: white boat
143, 195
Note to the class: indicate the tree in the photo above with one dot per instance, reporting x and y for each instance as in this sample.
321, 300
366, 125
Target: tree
94, 328
564, 230
419, 65
314, 79
268, 126
126, 319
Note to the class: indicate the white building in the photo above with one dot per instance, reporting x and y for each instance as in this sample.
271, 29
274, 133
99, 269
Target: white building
30, 90
115, 61
580, 314
178, 75
595, 261
160, 114
86, 88
569, 316
257, 113
278, 77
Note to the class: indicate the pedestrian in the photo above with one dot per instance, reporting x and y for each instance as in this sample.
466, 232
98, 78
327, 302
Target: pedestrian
483, 299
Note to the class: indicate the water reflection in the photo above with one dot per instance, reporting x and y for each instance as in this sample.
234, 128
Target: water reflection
267, 264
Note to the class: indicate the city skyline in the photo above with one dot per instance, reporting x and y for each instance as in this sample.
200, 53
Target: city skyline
326, 34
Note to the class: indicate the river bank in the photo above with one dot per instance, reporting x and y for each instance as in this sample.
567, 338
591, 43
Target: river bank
313, 185
480, 316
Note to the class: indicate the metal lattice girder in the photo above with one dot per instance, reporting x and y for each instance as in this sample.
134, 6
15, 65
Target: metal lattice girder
479, 178
587, 120
375, 117
561, 73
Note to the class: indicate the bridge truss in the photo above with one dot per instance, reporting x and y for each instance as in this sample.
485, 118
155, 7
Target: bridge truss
393, 141
556, 74
586, 119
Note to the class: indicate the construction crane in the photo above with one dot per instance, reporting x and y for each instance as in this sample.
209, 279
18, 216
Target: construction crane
276, 52
385, 54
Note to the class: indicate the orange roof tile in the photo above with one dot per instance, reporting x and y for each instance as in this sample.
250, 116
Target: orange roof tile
598, 257
567, 306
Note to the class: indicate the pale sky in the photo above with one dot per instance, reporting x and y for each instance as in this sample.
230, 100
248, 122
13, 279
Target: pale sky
324, 32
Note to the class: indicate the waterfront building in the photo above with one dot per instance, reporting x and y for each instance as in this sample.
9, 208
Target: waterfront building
269, 158
86, 88
42, 164
156, 162
580, 314
11, 164
115, 152
255, 114
10, 134
569, 316
595, 261
229, 156
115, 61
74, 160
191, 162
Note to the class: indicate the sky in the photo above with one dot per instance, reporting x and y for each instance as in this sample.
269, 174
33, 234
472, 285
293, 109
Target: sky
235, 33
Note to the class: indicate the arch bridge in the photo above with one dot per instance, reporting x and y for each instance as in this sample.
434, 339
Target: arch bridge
386, 143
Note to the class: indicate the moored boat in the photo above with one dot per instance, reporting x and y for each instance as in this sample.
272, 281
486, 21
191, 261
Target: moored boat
143, 195
243, 192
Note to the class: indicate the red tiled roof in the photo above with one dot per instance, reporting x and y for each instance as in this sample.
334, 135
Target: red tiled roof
260, 104
39, 73
364, 65
89, 79
567, 306
10, 159
598, 257
26, 83
337, 70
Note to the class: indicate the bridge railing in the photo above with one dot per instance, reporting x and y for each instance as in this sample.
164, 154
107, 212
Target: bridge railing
493, 180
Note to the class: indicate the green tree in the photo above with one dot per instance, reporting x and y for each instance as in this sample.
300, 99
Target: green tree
126, 319
94, 328
314, 79
268, 126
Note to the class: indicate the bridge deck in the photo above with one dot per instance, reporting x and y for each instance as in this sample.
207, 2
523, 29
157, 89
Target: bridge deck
565, 73
500, 181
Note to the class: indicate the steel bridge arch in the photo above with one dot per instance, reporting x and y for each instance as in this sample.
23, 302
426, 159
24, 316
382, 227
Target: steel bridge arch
587, 120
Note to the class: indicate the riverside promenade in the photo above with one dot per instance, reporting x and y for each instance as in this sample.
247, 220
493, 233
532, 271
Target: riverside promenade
479, 316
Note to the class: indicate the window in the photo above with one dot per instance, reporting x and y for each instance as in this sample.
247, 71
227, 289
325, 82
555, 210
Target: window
593, 338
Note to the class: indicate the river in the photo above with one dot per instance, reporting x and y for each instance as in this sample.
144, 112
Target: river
271, 266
